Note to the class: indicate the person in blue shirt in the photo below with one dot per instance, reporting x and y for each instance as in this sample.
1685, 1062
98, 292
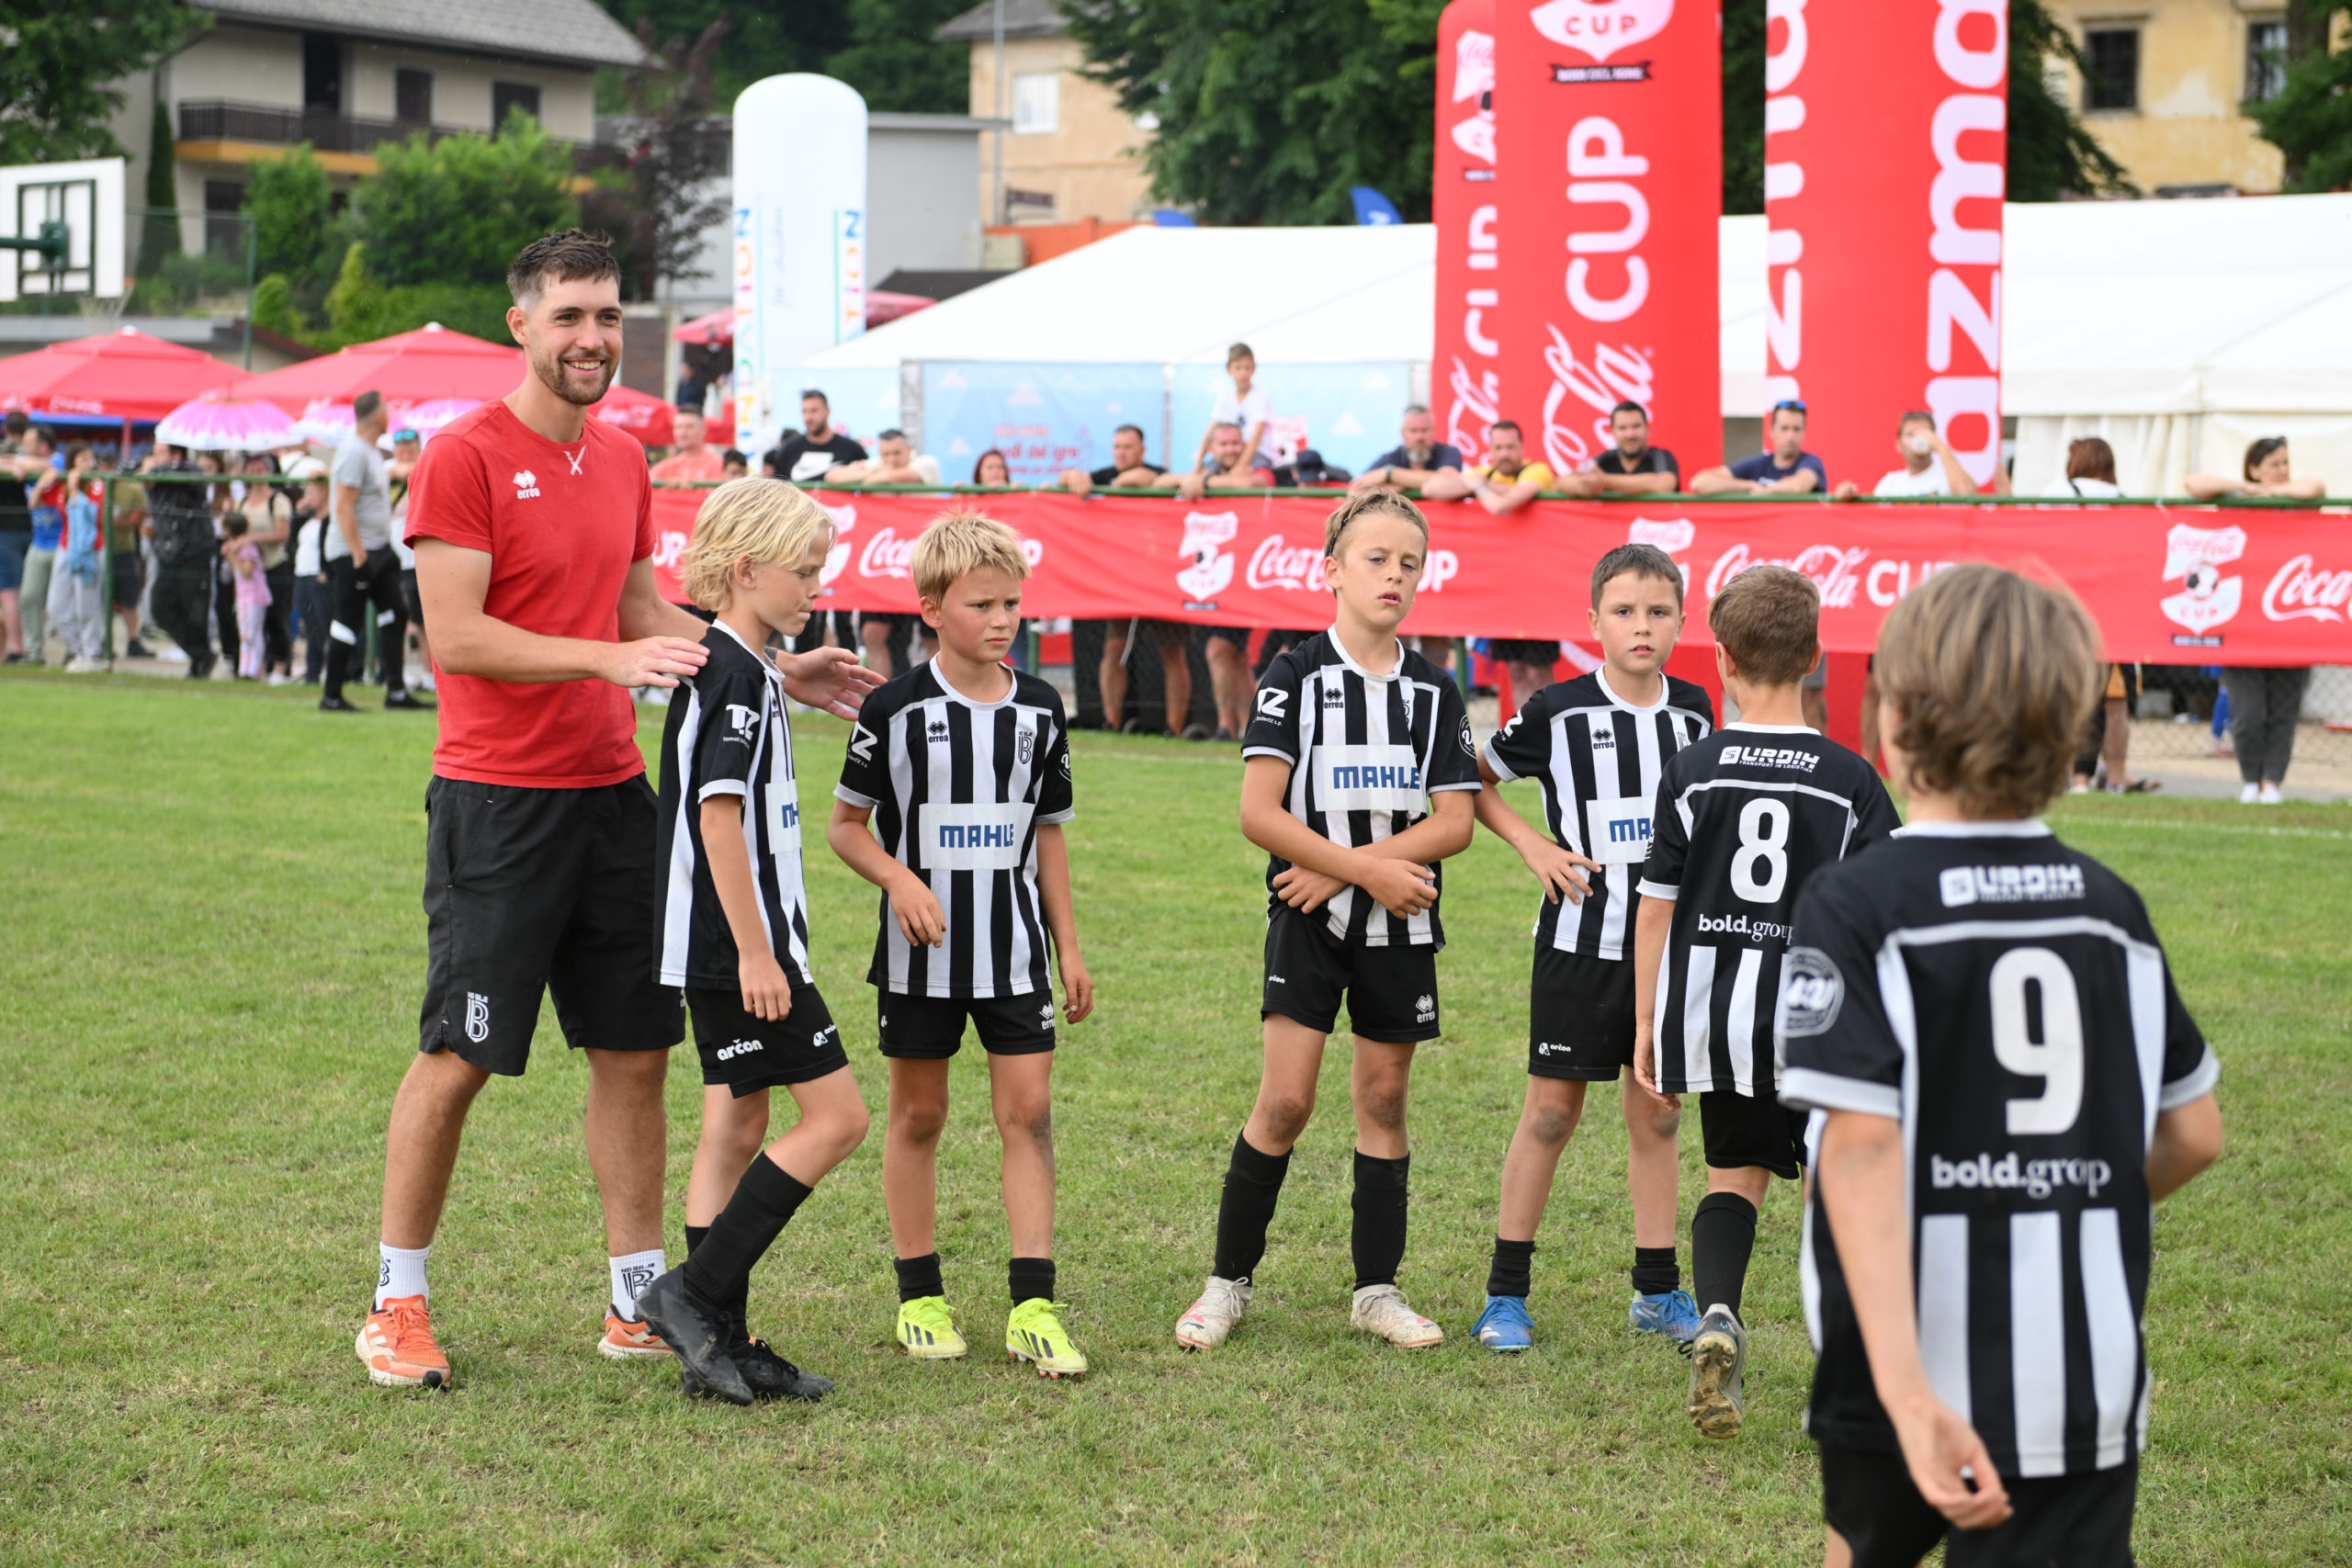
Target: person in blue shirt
1787, 467
1418, 456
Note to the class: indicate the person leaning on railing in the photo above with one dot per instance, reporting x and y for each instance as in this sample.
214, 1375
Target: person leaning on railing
2264, 704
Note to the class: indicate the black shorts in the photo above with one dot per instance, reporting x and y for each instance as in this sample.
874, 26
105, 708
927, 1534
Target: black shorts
1391, 991
931, 1029
533, 890
409, 598
1523, 650
1746, 1129
1579, 1016
129, 573
1237, 636
748, 1053
2080, 1521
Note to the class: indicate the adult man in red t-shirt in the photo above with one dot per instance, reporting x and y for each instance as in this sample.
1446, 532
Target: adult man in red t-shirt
533, 531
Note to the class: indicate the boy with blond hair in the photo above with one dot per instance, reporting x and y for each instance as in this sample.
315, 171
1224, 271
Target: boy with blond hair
735, 936
2007, 1081
961, 767
1743, 820
1358, 776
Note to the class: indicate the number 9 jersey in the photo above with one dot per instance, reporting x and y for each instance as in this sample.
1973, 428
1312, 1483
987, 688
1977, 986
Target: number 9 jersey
1743, 820
2003, 997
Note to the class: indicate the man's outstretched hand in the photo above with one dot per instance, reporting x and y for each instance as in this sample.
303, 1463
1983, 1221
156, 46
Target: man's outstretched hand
827, 678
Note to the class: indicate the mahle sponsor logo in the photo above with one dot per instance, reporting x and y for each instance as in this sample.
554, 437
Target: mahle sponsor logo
2011, 1172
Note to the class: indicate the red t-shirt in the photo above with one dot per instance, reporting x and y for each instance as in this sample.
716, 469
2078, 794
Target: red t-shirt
562, 525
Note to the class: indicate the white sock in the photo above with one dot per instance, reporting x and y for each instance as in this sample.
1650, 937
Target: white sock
630, 1275
401, 1274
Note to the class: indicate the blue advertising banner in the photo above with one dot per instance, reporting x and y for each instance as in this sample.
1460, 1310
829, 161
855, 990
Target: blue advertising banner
1348, 412
1044, 418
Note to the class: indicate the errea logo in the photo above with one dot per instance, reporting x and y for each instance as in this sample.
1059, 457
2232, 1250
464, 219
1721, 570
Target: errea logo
527, 484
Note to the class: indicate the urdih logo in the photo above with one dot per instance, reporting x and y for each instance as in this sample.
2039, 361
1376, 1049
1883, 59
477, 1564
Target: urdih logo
477, 1017
527, 484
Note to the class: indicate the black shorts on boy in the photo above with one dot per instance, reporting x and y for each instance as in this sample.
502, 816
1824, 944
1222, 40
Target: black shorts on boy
748, 1053
1391, 992
529, 891
1742, 1129
1579, 1017
931, 1029
2077, 1521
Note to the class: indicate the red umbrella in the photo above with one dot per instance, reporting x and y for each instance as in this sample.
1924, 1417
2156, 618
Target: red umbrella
123, 376
881, 305
434, 362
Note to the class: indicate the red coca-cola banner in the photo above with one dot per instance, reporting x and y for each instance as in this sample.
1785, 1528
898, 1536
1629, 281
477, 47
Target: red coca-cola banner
1886, 144
1609, 161
2168, 585
1466, 366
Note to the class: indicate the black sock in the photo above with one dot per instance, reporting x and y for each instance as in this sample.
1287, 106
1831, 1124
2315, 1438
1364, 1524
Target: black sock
693, 1237
1509, 1274
719, 1271
919, 1277
1378, 1242
1655, 1270
1722, 1232
1031, 1278
1252, 1184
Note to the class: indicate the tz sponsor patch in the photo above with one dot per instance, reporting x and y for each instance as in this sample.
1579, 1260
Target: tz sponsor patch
1812, 990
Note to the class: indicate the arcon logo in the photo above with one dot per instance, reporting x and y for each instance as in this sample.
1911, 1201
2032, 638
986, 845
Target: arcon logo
1601, 28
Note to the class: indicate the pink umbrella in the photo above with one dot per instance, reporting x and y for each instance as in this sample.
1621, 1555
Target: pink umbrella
427, 418
218, 422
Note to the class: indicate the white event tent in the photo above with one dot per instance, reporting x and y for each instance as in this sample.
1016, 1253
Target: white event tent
2179, 329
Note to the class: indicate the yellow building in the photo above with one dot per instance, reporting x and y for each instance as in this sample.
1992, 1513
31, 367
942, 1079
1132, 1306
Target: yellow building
1072, 154
2169, 85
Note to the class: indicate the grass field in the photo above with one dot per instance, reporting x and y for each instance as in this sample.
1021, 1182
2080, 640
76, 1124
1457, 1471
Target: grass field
209, 979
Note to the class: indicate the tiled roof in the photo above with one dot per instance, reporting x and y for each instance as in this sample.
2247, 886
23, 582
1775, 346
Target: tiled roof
1023, 18
573, 32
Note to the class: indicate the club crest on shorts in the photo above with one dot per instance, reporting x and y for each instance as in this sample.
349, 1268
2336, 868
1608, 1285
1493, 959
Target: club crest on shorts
477, 1017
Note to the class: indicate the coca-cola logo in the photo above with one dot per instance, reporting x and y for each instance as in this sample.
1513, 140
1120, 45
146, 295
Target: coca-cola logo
1208, 568
2196, 556
2302, 591
886, 555
1275, 563
1601, 28
1835, 569
1672, 536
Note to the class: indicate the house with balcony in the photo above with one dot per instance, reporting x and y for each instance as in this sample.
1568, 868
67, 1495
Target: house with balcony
1070, 153
348, 75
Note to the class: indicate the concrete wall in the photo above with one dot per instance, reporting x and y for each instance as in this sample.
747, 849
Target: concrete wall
1092, 162
245, 65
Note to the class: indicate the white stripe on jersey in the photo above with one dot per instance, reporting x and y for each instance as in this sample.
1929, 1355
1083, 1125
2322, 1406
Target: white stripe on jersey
1943, 1309
678, 901
2107, 1309
2038, 1341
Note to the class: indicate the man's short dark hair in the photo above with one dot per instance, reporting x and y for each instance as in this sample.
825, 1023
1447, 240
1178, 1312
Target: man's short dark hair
1911, 415
694, 408
809, 392
568, 255
15, 425
893, 433
1629, 406
1135, 429
1509, 424
365, 405
732, 456
1642, 561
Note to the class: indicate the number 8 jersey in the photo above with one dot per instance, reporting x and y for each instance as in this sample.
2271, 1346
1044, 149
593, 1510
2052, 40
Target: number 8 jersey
2005, 1000
1743, 819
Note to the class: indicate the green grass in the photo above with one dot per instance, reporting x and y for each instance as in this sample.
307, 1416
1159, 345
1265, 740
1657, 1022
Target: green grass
210, 957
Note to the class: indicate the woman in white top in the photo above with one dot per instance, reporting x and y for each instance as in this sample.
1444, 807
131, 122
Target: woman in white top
2090, 470
2090, 475
2266, 470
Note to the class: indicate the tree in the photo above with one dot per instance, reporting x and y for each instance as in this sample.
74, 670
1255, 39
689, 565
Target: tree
895, 64
2311, 118
766, 37
159, 234
58, 71
663, 194
456, 210
1268, 116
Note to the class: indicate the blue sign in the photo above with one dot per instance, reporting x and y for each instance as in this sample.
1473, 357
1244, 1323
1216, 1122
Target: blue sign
1044, 418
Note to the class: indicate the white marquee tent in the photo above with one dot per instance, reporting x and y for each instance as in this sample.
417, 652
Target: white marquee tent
2179, 329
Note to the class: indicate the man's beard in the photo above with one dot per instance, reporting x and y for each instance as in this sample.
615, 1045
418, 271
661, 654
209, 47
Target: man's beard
1420, 456
549, 369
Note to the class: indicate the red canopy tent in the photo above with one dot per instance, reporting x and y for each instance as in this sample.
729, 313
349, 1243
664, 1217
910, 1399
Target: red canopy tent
433, 362
124, 377
881, 305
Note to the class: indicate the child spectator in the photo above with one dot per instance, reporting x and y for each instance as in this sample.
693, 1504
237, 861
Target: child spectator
2007, 1081
76, 598
314, 594
252, 591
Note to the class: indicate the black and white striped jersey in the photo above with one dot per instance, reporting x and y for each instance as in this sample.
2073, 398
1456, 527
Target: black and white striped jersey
1596, 758
1366, 753
2005, 998
1743, 819
959, 789
727, 735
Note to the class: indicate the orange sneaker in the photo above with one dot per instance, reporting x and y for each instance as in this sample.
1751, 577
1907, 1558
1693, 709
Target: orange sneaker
626, 1341
397, 1344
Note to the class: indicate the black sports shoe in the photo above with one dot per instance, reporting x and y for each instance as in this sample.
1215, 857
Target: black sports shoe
697, 1334
407, 700
334, 704
134, 649
770, 1375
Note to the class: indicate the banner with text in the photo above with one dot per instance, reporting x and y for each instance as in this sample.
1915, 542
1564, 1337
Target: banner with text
1608, 155
1044, 418
1886, 146
2168, 585
1465, 364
